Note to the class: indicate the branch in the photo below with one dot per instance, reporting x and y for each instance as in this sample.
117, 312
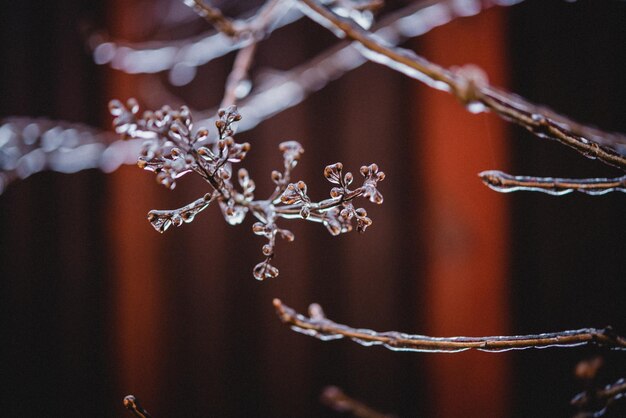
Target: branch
187, 54
336, 399
318, 326
476, 94
238, 76
598, 401
505, 183
132, 404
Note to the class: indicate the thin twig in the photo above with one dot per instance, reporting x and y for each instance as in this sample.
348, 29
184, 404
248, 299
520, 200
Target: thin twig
238, 75
132, 404
505, 183
595, 403
214, 16
318, 326
336, 399
254, 28
477, 96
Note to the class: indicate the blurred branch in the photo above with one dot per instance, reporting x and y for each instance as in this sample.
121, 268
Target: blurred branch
238, 76
320, 327
475, 92
502, 182
336, 399
30, 145
132, 404
595, 403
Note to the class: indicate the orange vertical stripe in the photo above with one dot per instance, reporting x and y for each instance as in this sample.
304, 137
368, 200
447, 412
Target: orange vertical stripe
138, 292
466, 233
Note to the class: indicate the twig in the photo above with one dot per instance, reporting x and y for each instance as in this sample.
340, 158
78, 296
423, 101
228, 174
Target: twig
132, 404
477, 96
214, 16
238, 75
502, 182
336, 399
254, 28
318, 326
595, 403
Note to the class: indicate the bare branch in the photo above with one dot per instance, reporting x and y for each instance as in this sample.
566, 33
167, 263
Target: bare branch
132, 404
336, 399
505, 183
595, 403
476, 94
320, 327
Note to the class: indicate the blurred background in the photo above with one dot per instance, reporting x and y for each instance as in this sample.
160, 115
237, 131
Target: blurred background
96, 305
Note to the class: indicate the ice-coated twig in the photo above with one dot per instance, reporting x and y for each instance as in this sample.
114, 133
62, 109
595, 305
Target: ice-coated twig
132, 404
318, 326
475, 92
336, 399
595, 403
505, 183
174, 148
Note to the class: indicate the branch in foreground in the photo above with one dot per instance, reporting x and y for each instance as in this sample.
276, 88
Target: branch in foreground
336, 399
171, 151
477, 94
505, 183
320, 327
132, 404
595, 403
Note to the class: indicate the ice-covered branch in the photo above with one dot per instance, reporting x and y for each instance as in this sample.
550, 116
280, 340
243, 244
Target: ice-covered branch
505, 183
174, 148
336, 399
318, 326
132, 404
475, 92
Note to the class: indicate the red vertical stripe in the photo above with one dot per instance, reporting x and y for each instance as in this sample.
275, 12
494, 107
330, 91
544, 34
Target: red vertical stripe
466, 223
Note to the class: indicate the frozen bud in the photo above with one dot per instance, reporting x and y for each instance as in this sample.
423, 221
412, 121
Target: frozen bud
286, 235
305, 212
276, 176
333, 173
258, 228
336, 192
348, 178
268, 250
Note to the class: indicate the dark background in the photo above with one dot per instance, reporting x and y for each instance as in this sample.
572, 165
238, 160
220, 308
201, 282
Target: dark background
214, 346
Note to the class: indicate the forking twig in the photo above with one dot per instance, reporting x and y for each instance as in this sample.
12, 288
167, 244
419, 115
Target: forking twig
320, 327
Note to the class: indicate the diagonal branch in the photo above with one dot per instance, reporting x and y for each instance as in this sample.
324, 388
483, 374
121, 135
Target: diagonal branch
505, 183
132, 404
336, 399
318, 326
476, 94
599, 400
